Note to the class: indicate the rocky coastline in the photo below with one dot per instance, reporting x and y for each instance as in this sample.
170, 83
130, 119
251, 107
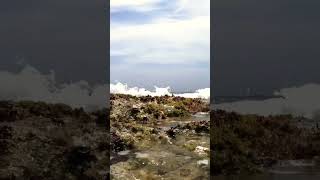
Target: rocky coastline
252, 144
149, 138
164, 137
52, 141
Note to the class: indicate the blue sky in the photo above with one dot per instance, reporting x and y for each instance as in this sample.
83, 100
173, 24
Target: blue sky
161, 42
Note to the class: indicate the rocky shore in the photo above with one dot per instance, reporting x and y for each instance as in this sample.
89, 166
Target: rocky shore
159, 138
139, 118
253, 144
150, 138
52, 141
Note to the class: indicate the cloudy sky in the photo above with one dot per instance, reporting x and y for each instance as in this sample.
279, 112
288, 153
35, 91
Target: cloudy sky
66, 36
160, 42
265, 45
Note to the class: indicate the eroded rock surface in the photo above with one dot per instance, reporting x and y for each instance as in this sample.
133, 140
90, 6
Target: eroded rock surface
156, 130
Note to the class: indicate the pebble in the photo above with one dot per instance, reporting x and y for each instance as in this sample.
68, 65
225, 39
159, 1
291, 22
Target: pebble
203, 162
123, 153
141, 155
201, 150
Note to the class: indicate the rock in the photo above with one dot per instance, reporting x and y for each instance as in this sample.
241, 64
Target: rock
185, 172
191, 145
5, 132
123, 153
7, 113
117, 143
78, 160
204, 162
172, 132
202, 150
141, 155
165, 139
134, 111
102, 117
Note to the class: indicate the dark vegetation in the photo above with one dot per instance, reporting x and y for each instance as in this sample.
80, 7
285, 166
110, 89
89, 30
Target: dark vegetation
52, 141
249, 143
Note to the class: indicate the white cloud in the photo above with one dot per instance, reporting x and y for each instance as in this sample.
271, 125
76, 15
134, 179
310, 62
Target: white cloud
194, 8
174, 32
135, 5
164, 40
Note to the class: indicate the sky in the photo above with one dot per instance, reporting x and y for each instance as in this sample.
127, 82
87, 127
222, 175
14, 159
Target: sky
264, 45
271, 47
160, 43
66, 36
54, 51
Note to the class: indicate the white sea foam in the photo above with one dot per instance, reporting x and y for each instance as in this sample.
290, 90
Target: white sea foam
298, 101
200, 93
121, 88
30, 84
